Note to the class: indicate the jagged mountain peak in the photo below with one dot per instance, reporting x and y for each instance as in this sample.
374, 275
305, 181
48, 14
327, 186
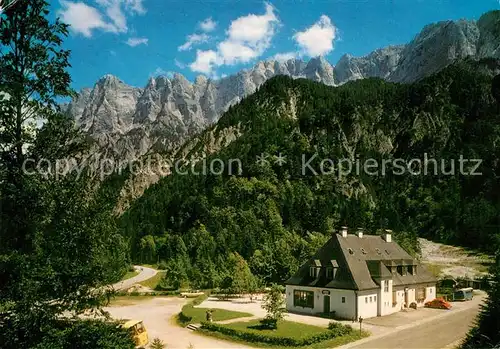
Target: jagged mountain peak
170, 108
109, 79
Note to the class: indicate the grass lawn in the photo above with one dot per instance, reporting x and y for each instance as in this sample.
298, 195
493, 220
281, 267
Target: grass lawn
153, 282
285, 329
288, 329
198, 315
192, 315
130, 274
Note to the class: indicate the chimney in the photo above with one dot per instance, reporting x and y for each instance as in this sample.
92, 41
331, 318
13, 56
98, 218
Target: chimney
343, 231
387, 236
360, 233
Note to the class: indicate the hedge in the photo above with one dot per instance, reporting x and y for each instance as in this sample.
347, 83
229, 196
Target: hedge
248, 336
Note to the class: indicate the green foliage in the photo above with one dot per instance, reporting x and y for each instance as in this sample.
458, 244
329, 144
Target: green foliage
71, 334
239, 279
162, 266
486, 333
58, 239
275, 216
297, 337
274, 305
157, 343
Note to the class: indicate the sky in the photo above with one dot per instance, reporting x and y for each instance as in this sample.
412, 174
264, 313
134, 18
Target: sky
138, 39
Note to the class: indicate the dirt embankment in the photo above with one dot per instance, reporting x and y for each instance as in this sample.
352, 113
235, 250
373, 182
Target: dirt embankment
445, 260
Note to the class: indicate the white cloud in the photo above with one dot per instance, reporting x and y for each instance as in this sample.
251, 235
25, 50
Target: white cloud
84, 18
135, 6
179, 64
283, 57
205, 61
193, 39
246, 39
158, 72
161, 72
317, 40
232, 52
133, 42
208, 25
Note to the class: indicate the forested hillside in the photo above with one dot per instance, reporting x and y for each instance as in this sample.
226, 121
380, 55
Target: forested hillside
276, 214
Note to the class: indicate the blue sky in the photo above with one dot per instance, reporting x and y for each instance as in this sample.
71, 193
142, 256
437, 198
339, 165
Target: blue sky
136, 39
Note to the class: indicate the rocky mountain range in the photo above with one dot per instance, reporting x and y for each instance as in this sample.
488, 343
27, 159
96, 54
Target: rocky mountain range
129, 122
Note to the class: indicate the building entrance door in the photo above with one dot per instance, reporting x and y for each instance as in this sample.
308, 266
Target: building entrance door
326, 304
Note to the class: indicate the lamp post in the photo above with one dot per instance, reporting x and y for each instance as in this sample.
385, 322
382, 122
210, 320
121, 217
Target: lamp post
360, 322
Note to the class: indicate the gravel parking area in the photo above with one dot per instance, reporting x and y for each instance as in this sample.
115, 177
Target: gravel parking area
157, 314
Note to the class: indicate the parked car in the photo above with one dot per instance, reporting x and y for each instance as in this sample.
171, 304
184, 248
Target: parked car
438, 303
464, 294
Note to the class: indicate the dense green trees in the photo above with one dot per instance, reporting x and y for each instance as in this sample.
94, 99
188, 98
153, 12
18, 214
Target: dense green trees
486, 333
265, 213
58, 240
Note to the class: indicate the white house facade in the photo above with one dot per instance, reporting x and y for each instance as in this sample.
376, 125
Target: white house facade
355, 276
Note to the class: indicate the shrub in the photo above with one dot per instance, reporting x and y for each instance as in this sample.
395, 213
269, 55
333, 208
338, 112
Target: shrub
157, 343
70, 334
162, 266
336, 330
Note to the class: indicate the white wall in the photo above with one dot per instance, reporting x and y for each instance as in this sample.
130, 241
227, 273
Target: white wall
430, 294
345, 310
368, 303
385, 306
380, 305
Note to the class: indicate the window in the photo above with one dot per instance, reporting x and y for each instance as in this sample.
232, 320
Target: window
378, 250
430, 290
410, 269
363, 251
366, 300
371, 299
314, 272
421, 294
400, 269
303, 299
343, 299
351, 251
394, 298
329, 273
386, 286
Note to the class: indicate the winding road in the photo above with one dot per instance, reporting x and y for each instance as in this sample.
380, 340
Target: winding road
145, 273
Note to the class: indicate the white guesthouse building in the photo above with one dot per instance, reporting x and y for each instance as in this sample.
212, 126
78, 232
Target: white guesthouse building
357, 275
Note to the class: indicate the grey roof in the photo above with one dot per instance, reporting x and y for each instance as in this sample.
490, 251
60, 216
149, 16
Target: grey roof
364, 267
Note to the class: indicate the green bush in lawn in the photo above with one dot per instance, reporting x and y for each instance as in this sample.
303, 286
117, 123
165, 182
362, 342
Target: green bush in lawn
336, 330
